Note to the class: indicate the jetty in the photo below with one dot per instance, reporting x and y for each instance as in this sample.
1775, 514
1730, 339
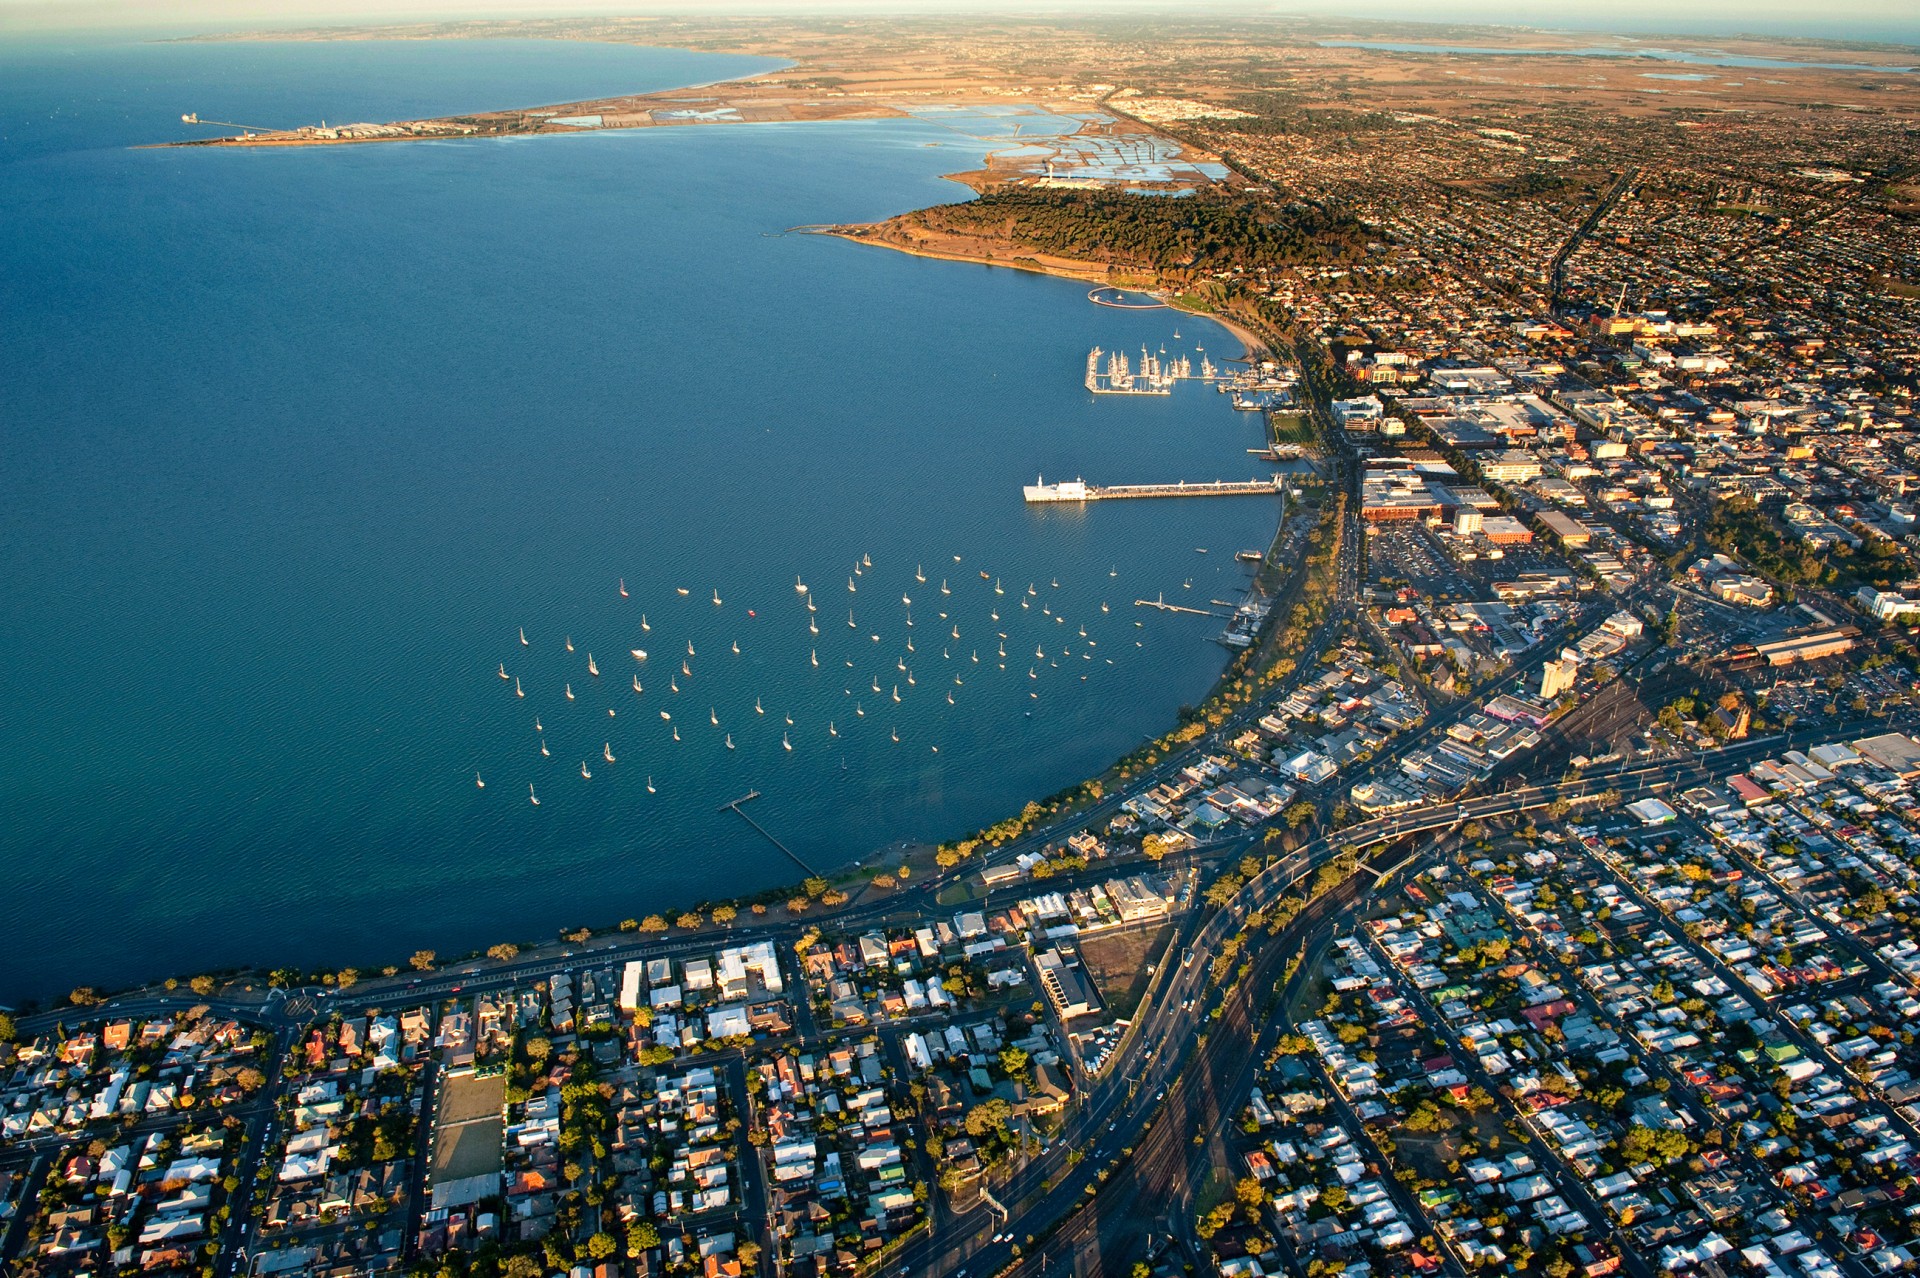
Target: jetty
1076, 490
739, 811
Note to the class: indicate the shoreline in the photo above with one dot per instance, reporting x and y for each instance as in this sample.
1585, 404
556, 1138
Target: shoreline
1251, 345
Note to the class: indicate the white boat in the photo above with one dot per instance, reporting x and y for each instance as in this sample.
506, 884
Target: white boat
591, 668
686, 669
716, 599
713, 716
907, 601
636, 684
850, 585
606, 751
1104, 608
639, 654
1113, 572
736, 647
789, 721
909, 644
784, 742
729, 741
584, 774
534, 798
690, 651
857, 710
536, 724
518, 691
831, 730
676, 733
909, 678
665, 715
569, 692
896, 736
943, 587
673, 683
896, 692
813, 627
815, 658
523, 636
544, 752
949, 698
503, 671
569, 643
799, 586
919, 573
650, 789
623, 587
682, 589
643, 623
478, 784
997, 588
866, 561
850, 621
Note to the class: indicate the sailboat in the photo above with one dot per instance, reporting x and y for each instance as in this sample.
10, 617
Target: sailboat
665, 715
1056, 583
1023, 605
518, 691
686, 669
584, 774
523, 636
949, 698
799, 586
784, 742
814, 656
851, 588
850, 621
997, 587
896, 692
976, 656
682, 589
606, 751
569, 692
591, 668
900, 664
756, 706
1104, 608
650, 789
503, 671
1031, 590
623, 588
636, 684
896, 736
736, 647
813, 627
866, 561
729, 741
943, 587
909, 678
643, 623
536, 724
1113, 572
919, 573
534, 798
909, 644
857, 710
544, 752
811, 605
478, 784
673, 683
831, 730
639, 654
716, 599
789, 721
690, 651
569, 643
713, 716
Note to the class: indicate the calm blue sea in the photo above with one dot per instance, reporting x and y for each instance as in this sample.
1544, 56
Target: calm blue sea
297, 441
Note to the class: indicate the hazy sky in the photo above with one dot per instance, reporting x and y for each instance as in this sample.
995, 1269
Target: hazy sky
1882, 19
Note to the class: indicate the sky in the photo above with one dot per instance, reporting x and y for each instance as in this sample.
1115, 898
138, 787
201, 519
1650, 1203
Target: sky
1896, 20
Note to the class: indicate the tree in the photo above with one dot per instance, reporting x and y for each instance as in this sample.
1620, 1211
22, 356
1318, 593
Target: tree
725, 913
85, 996
1013, 1060
423, 960
601, 1245
524, 1267
1335, 1198
250, 1080
988, 1116
816, 887
688, 920
8, 1031
201, 985
1250, 1191
347, 978
1299, 813
538, 1049
797, 904
642, 1236
653, 923
505, 952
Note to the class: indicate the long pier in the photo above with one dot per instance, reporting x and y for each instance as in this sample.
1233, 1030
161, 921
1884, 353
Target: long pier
1079, 491
739, 811
1162, 604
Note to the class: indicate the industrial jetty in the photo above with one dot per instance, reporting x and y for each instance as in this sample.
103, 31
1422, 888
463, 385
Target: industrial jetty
1076, 490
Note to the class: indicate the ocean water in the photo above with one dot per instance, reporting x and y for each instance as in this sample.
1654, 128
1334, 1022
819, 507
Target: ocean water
298, 440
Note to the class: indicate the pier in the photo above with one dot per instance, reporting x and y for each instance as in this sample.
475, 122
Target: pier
1162, 604
739, 811
1078, 490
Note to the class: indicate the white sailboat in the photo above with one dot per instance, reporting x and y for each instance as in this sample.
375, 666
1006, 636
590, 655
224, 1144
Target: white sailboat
919, 573
831, 730
523, 636
478, 784
736, 647
584, 774
544, 752
650, 789
643, 623
534, 798
784, 742
799, 586
569, 643
518, 691
729, 741
636, 684
569, 692
623, 588
606, 751
591, 668
639, 654
716, 599
503, 671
